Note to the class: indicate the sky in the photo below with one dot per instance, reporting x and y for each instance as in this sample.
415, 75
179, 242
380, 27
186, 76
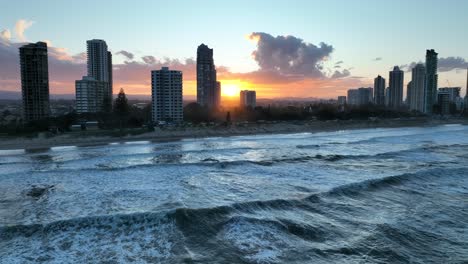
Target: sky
278, 48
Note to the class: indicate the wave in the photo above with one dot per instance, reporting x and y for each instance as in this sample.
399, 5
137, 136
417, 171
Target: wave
323, 225
170, 160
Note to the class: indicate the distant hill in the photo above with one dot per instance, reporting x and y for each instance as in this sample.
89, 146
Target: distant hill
10, 95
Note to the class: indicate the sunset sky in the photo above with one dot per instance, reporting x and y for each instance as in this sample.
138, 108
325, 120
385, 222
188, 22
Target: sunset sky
279, 48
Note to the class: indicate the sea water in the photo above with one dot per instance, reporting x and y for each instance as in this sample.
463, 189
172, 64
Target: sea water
358, 196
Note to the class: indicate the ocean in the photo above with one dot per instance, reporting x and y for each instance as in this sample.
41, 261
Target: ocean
390, 195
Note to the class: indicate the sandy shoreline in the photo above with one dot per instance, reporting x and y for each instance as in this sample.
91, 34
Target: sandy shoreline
77, 139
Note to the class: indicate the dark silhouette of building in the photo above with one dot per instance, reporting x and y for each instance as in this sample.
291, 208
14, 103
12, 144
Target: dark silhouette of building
379, 90
218, 94
34, 81
100, 68
360, 96
430, 97
207, 87
248, 98
416, 93
396, 88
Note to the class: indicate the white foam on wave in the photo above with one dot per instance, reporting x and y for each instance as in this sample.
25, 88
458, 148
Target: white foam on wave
259, 242
116, 239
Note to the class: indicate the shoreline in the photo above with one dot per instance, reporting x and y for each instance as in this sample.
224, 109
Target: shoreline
290, 127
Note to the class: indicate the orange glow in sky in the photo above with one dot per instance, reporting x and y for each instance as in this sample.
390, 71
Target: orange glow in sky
232, 88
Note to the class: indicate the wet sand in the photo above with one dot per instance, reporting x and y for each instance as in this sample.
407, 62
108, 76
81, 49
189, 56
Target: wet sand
82, 139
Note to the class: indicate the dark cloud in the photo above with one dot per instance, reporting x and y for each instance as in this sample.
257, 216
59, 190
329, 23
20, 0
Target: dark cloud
342, 74
377, 59
149, 59
445, 64
337, 67
339, 62
289, 55
452, 63
127, 54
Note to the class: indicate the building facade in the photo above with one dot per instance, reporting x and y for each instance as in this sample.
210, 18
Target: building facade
341, 100
453, 92
396, 88
416, 95
444, 103
379, 90
34, 81
166, 95
360, 96
99, 67
430, 96
218, 94
89, 95
248, 98
207, 86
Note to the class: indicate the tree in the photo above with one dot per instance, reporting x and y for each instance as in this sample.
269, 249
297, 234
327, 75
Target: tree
195, 113
121, 107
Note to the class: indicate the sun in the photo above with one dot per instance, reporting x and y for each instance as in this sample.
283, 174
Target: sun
230, 90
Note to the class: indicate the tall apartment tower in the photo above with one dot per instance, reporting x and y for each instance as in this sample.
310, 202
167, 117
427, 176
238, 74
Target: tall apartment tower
396, 88
418, 84
166, 95
379, 90
430, 96
34, 81
89, 95
409, 93
206, 78
100, 68
248, 98
218, 94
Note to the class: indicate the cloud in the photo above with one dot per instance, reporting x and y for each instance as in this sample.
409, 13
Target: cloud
126, 54
452, 63
149, 59
377, 59
289, 55
342, 74
5, 35
444, 65
339, 62
21, 26
303, 74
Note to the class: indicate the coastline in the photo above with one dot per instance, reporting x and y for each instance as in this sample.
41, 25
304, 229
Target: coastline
80, 140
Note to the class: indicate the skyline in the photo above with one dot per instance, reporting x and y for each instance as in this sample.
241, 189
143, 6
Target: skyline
351, 49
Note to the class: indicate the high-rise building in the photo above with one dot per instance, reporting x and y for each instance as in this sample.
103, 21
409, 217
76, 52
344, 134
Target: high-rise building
90, 95
453, 92
387, 96
100, 67
360, 96
206, 78
409, 91
34, 81
396, 88
443, 99
218, 94
341, 100
248, 98
430, 97
166, 95
379, 90
416, 95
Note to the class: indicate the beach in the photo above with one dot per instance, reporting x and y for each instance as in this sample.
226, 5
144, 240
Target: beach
177, 133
